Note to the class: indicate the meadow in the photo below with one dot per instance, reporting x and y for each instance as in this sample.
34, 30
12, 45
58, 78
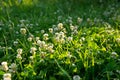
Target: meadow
60, 40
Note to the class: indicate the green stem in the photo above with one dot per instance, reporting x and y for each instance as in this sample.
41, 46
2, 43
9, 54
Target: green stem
63, 70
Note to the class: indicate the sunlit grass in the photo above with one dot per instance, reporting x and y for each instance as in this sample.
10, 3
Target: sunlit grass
64, 41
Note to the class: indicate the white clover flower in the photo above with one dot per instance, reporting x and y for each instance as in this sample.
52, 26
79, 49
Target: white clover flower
113, 54
23, 31
13, 65
64, 30
118, 40
76, 27
73, 64
62, 34
50, 48
31, 57
42, 54
52, 51
72, 28
70, 39
76, 77
34, 43
22, 25
22, 21
51, 45
69, 55
37, 38
82, 39
9, 48
15, 43
75, 32
4, 66
57, 34
13, 68
7, 76
45, 36
118, 71
45, 46
19, 56
62, 41
50, 30
60, 26
79, 20
33, 50
39, 42
70, 21
4, 63
29, 39
42, 44
19, 51
56, 29
42, 31
108, 31
57, 39
107, 25
88, 20
31, 35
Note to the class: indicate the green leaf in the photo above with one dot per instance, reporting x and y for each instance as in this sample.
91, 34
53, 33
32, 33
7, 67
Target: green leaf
1, 72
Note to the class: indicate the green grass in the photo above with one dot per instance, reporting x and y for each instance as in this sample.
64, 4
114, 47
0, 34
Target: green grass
84, 43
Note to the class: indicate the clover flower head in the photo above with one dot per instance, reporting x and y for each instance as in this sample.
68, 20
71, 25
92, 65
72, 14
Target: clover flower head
13, 67
33, 50
37, 38
15, 43
72, 27
45, 36
79, 20
118, 40
19, 51
31, 57
23, 31
7, 76
60, 26
19, 56
39, 42
42, 31
50, 30
4, 66
114, 53
29, 39
70, 39
76, 77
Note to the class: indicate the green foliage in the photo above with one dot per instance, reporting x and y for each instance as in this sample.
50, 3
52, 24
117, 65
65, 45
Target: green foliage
60, 39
